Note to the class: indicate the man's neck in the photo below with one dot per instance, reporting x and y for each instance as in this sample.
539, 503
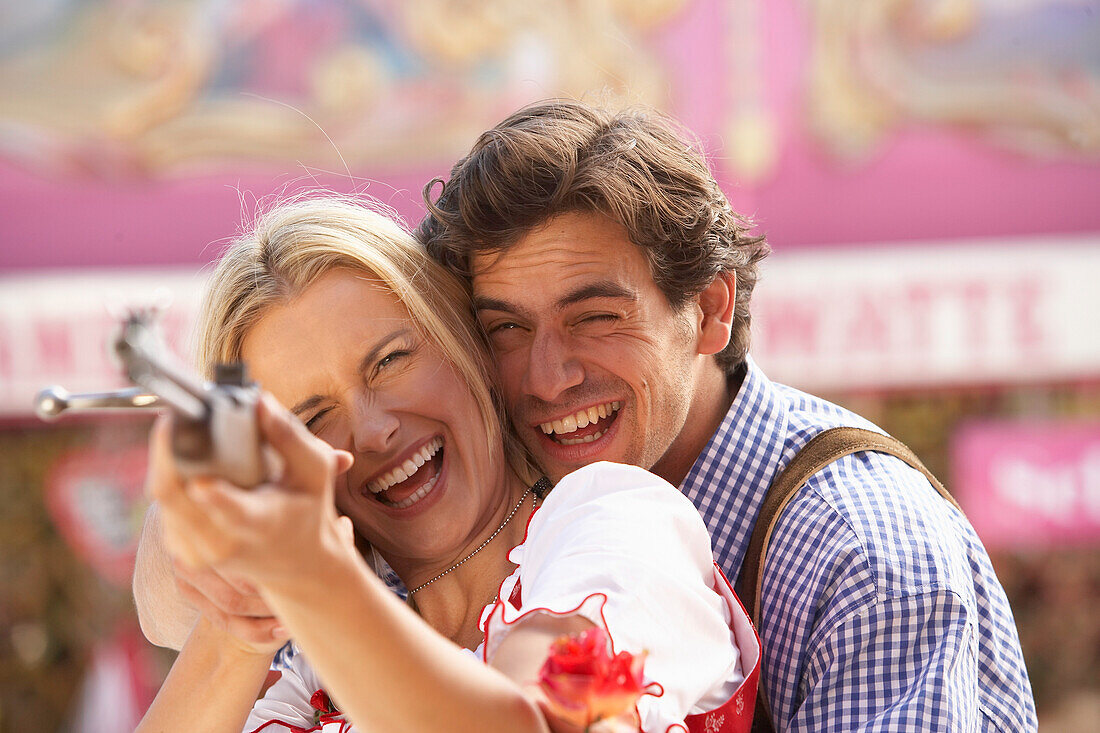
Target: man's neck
709, 405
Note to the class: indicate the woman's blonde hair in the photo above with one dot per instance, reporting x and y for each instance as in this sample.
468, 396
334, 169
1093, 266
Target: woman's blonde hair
296, 242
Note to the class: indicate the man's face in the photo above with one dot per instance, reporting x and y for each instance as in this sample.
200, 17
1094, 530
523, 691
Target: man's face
594, 363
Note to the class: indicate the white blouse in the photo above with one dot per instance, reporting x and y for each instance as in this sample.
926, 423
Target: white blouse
626, 550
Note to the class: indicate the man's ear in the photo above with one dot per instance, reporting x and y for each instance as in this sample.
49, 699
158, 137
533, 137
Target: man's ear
716, 310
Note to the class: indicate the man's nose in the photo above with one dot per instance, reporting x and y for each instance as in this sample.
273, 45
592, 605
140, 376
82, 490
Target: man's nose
374, 428
552, 367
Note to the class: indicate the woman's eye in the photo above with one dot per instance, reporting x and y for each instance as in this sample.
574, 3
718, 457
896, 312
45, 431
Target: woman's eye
389, 359
314, 421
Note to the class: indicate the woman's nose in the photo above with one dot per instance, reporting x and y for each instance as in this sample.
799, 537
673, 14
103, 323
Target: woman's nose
374, 428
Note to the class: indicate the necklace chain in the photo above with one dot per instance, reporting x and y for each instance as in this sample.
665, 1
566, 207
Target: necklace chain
480, 547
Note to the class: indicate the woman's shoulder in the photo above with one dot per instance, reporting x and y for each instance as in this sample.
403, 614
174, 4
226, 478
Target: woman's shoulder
611, 508
610, 485
605, 478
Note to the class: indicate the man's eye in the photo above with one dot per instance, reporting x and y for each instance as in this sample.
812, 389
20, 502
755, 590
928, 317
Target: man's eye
501, 327
600, 318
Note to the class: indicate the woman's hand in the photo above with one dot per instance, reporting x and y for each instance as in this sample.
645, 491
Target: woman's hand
626, 722
170, 594
272, 533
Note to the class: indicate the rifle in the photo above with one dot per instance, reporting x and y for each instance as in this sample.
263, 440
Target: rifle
214, 430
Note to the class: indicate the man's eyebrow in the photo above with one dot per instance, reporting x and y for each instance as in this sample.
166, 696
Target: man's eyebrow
313, 400
601, 289
482, 303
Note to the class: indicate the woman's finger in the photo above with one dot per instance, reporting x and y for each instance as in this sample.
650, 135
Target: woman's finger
208, 589
180, 517
345, 531
163, 482
178, 539
344, 461
244, 525
222, 503
203, 525
251, 629
237, 522
554, 721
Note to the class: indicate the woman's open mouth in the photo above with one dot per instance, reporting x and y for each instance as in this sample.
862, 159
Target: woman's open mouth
413, 480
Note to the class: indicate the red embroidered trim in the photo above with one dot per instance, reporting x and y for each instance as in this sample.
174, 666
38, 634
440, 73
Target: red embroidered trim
290, 727
345, 725
516, 597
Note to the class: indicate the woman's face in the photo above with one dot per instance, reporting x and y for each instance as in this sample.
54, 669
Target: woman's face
345, 357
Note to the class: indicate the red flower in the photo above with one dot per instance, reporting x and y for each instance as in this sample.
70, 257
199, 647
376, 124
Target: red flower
321, 702
584, 683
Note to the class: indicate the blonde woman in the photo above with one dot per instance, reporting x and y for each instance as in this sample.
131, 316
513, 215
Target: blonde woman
343, 318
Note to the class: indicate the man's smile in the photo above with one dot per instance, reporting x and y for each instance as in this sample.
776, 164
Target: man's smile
582, 426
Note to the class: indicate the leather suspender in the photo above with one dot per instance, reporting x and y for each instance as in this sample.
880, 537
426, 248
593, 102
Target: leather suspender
823, 449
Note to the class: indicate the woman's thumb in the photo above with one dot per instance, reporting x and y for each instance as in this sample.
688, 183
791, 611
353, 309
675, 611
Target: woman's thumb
345, 531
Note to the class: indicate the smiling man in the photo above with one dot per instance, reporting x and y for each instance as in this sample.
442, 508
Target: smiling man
613, 280
594, 361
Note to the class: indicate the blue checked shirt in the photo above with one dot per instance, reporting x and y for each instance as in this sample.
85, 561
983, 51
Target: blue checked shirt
879, 606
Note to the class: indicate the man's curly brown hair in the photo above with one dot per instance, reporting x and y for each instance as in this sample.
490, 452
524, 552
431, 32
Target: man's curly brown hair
636, 166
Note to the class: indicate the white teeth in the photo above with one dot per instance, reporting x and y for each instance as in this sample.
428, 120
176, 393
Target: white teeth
585, 439
581, 419
415, 496
408, 468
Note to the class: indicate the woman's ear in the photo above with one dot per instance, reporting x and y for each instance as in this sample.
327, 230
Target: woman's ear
716, 308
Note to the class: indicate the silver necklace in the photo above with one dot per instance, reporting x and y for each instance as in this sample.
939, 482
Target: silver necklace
480, 547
